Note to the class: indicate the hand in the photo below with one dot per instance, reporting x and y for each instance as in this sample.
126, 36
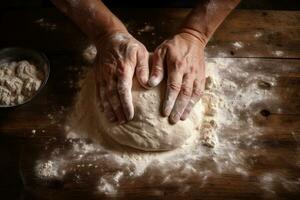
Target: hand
119, 56
183, 56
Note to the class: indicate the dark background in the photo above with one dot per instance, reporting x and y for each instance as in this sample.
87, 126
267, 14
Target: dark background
245, 4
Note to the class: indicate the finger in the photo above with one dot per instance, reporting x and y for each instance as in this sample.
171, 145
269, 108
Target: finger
109, 70
157, 69
124, 86
111, 92
142, 67
183, 98
108, 111
173, 88
106, 107
114, 100
198, 89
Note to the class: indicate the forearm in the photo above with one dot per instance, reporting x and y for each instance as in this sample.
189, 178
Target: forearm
205, 18
92, 17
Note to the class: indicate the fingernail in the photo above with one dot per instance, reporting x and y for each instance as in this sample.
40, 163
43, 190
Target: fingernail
153, 81
129, 116
175, 118
167, 111
183, 116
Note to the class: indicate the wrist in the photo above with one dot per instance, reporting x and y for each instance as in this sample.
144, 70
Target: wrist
200, 37
112, 35
107, 31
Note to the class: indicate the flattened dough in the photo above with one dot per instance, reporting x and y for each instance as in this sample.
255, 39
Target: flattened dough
148, 130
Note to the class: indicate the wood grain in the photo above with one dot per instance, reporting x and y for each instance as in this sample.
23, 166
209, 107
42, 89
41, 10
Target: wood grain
261, 34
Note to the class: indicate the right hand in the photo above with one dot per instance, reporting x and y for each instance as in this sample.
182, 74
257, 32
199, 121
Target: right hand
119, 55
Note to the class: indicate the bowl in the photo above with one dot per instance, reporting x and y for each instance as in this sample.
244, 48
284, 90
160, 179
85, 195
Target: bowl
38, 59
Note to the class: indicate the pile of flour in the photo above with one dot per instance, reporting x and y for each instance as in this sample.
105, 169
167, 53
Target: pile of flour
18, 82
227, 135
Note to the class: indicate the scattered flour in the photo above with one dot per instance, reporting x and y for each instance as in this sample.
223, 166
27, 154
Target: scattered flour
238, 45
47, 169
270, 180
227, 135
258, 34
278, 53
18, 82
146, 29
89, 53
49, 26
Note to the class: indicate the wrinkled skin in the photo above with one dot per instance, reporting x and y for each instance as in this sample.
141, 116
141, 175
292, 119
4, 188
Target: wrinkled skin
181, 59
119, 56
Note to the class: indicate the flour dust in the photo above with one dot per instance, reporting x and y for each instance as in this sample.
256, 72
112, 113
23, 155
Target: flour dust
225, 139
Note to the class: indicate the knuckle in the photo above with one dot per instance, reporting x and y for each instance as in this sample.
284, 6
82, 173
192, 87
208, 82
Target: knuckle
122, 70
142, 64
141, 69
177, 65
186, 90
197, 92
174, 87
157, 70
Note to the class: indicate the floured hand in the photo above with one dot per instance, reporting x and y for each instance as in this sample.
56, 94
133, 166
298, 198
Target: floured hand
182, 57
119, 56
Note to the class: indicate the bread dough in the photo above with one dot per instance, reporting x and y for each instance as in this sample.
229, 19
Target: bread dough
148, 130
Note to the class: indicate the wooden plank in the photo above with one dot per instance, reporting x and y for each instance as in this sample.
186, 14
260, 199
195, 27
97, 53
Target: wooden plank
244, 33
227, 185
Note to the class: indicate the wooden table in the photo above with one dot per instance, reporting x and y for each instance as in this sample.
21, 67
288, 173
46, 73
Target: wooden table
270, 37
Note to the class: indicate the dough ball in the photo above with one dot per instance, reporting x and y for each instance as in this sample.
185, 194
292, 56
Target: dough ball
148, 130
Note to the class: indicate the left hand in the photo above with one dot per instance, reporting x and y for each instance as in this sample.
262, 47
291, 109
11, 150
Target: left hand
183, 56
119, 57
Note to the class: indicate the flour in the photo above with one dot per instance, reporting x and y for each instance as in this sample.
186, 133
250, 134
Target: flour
18, 82
146, 29
49, 26
258, 34
89, 53
227, 135
277, 53
238, 45
47, 170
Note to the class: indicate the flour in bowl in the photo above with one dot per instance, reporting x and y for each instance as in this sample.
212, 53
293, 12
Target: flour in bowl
18, 82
